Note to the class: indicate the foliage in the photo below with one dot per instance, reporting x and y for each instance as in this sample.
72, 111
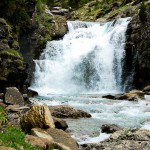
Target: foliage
14, 137
2, 114
11, 53
142, 12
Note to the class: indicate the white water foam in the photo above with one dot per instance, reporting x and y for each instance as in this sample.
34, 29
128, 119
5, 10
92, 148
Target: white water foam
134, 114
88, 59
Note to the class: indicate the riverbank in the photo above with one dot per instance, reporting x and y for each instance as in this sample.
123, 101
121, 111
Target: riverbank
131, 114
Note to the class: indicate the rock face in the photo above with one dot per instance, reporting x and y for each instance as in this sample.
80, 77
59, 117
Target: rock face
138, 47
67, 112
12, 65
125, 139
37, 116
13, 96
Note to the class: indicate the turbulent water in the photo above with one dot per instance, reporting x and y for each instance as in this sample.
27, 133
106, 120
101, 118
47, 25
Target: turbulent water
88, 59
123, 113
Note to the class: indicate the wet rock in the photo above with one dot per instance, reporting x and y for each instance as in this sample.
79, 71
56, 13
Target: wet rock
108, 96
134, 95
59, 27
125, 139
68, 112
146, 90
60, 124
13, 96
37, 116
131, 96
31, 93
110, 128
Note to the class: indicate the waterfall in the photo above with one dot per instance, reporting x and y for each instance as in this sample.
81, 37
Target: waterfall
88, 59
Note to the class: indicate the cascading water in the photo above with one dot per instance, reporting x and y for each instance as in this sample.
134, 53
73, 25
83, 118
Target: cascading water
88, 59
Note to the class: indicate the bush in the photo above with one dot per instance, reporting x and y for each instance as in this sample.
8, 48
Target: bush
142, 12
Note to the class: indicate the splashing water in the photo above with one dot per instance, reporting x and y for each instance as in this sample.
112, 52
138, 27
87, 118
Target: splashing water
88, 59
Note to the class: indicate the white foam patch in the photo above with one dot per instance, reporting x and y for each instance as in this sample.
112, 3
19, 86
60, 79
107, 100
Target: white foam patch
100, 138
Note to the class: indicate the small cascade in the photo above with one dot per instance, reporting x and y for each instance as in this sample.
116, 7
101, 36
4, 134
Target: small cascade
88, 59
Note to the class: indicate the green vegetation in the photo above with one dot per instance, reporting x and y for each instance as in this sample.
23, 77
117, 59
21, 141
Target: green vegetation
3, 118
142, 12
11, 53
14, 137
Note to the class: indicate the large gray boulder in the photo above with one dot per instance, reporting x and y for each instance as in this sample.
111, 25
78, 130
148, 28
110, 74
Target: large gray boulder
13, 96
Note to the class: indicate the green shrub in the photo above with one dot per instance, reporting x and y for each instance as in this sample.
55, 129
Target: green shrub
142, 12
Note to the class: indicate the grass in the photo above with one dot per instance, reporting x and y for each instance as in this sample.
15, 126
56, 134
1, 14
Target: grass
14, 137
2, 115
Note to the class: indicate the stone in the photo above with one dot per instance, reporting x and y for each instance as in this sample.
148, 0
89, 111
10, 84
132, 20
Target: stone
16, 108
1, 95
61, 137
146, 90
37, 142
134, 95
31, 93
108, 96
131, 95
41, 134
62, 111
44, 135
110, 128
38, 116
125, 139
13, 96
60, 124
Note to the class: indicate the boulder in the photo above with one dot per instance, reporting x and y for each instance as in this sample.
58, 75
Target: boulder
61, 137
146, 90
37, 142
31, 93
63, 111
110, 128
44, 135
37, 116
131, 96
108, 96
134, 95
125, 139
41, 134
13, 96
60, 124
